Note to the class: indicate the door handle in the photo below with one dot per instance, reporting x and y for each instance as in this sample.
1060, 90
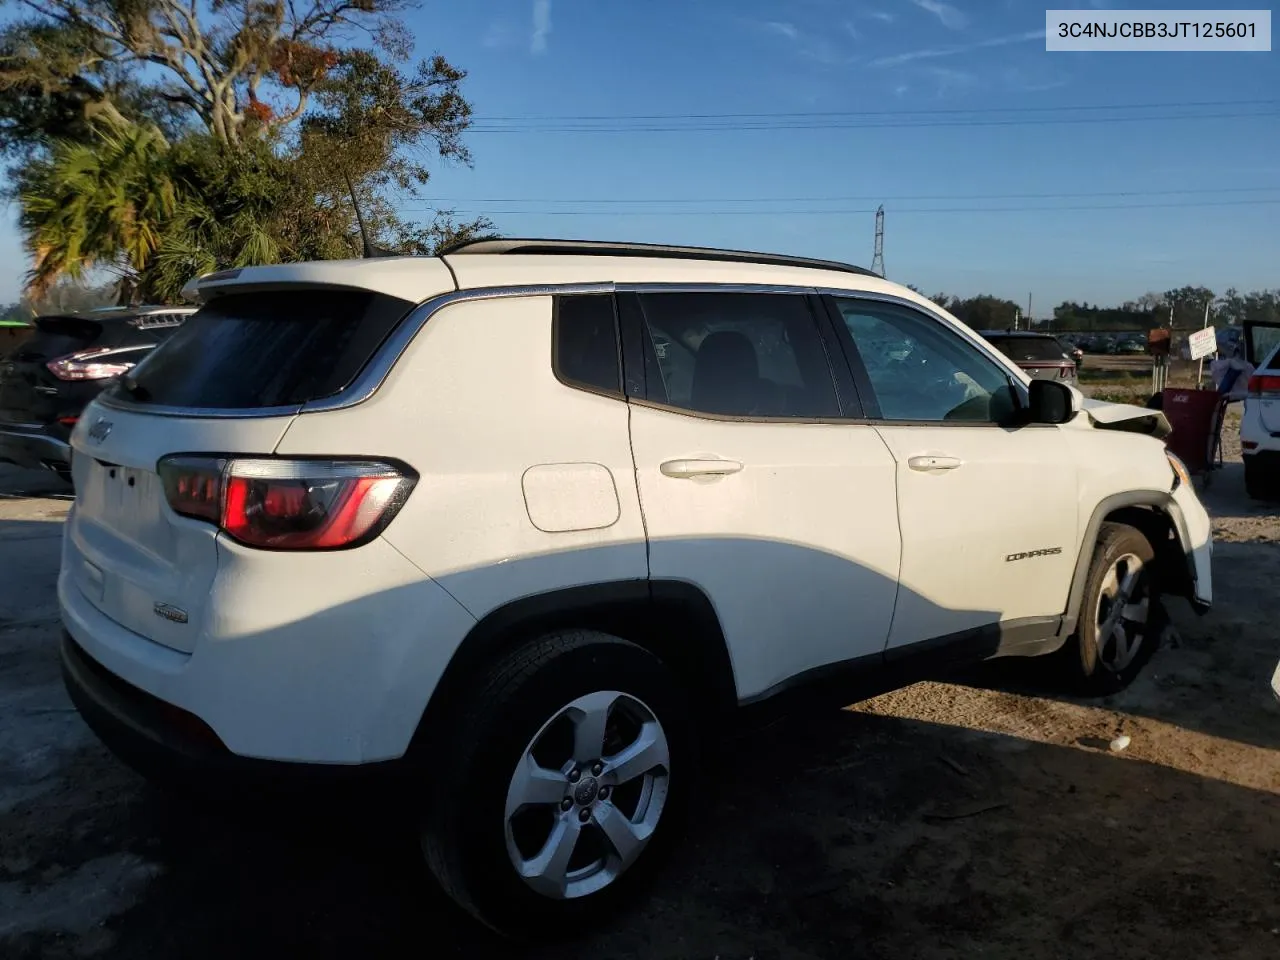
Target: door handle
690, 469
934, 463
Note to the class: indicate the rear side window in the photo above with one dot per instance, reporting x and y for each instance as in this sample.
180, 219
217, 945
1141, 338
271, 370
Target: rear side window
266, 349
1030, 349
585, 343
739, 355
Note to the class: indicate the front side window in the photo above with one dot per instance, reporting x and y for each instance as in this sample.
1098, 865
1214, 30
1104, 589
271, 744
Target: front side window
921, 371
739, 354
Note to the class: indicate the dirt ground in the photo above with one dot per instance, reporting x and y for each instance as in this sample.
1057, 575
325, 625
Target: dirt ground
980, 818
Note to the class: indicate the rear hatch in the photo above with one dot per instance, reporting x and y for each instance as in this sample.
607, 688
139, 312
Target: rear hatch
28, 390
137, 561
1042, 357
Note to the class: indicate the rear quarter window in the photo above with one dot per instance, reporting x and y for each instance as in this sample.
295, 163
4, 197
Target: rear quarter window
266, 349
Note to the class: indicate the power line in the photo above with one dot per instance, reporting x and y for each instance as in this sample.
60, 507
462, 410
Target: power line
877, 113
852, 198
899, 123
829, 211
886, 113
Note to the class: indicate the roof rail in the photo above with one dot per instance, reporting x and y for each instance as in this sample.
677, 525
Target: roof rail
604, 248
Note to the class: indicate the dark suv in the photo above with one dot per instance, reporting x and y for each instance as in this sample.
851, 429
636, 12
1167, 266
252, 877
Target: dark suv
1042, 356
49, 378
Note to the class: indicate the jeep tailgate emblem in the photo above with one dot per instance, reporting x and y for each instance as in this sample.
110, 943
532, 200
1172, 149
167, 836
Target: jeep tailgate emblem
171, 613
100, 430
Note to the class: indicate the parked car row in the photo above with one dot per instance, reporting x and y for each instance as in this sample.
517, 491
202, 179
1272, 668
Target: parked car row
1041, 355
54, 371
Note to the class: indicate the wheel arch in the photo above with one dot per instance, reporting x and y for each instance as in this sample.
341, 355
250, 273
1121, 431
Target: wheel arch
673, 620
1156, 515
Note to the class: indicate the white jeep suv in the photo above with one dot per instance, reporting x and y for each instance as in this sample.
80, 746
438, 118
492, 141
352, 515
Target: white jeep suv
461, 516
1260, 421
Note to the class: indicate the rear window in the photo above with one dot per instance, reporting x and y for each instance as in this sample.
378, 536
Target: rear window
1030, 349
57, 337
266, 349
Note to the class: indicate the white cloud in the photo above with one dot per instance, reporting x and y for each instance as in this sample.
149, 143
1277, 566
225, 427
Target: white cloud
541, 26
948, 80
816, 48
931, 53
500, 34
852, 30
881, 15
788, 30
952, 18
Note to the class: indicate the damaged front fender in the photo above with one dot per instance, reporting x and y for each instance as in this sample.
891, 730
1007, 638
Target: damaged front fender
1126, 417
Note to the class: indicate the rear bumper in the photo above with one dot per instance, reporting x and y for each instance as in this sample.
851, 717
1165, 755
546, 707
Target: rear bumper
166, 743
294, 659
33, 448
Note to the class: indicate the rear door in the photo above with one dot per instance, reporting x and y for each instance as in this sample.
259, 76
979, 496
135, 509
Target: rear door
241, 367
756, 483
988, 512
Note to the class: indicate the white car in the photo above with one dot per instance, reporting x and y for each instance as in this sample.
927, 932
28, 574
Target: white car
457, 516
1260, 421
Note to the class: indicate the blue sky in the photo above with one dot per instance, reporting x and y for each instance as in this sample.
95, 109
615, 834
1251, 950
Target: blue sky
950, 113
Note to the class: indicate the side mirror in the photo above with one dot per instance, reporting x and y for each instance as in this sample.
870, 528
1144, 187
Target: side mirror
1050, 402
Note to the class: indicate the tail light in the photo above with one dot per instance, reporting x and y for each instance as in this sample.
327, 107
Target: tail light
278, 504
88, 365
1261, 383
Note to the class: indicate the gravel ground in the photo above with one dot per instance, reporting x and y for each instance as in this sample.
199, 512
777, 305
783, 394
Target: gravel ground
984, 817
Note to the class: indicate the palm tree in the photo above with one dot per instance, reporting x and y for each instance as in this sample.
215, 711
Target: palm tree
102, 203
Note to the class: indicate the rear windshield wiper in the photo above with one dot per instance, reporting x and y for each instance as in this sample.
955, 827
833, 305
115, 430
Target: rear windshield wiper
134, 389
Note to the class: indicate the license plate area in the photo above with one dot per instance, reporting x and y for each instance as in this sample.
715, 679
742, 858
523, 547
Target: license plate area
123, 499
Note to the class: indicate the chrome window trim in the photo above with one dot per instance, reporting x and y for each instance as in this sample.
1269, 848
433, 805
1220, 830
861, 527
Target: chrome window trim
374, 373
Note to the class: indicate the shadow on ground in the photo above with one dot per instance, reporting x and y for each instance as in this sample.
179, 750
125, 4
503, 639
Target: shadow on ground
837, 831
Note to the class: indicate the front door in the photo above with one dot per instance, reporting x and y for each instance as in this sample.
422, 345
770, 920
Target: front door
987, 511
754, 484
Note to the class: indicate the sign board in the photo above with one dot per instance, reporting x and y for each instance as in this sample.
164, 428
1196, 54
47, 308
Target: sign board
1158, 342
1203, 343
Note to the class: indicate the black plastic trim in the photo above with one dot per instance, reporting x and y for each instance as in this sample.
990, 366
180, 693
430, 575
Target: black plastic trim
672, 618
859, 678
1154, 499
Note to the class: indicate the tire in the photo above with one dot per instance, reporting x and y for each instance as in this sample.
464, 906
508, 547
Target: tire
1121, 550
527, 704
1259, 483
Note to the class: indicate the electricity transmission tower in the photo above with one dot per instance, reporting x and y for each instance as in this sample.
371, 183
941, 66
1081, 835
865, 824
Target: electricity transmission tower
877, 262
